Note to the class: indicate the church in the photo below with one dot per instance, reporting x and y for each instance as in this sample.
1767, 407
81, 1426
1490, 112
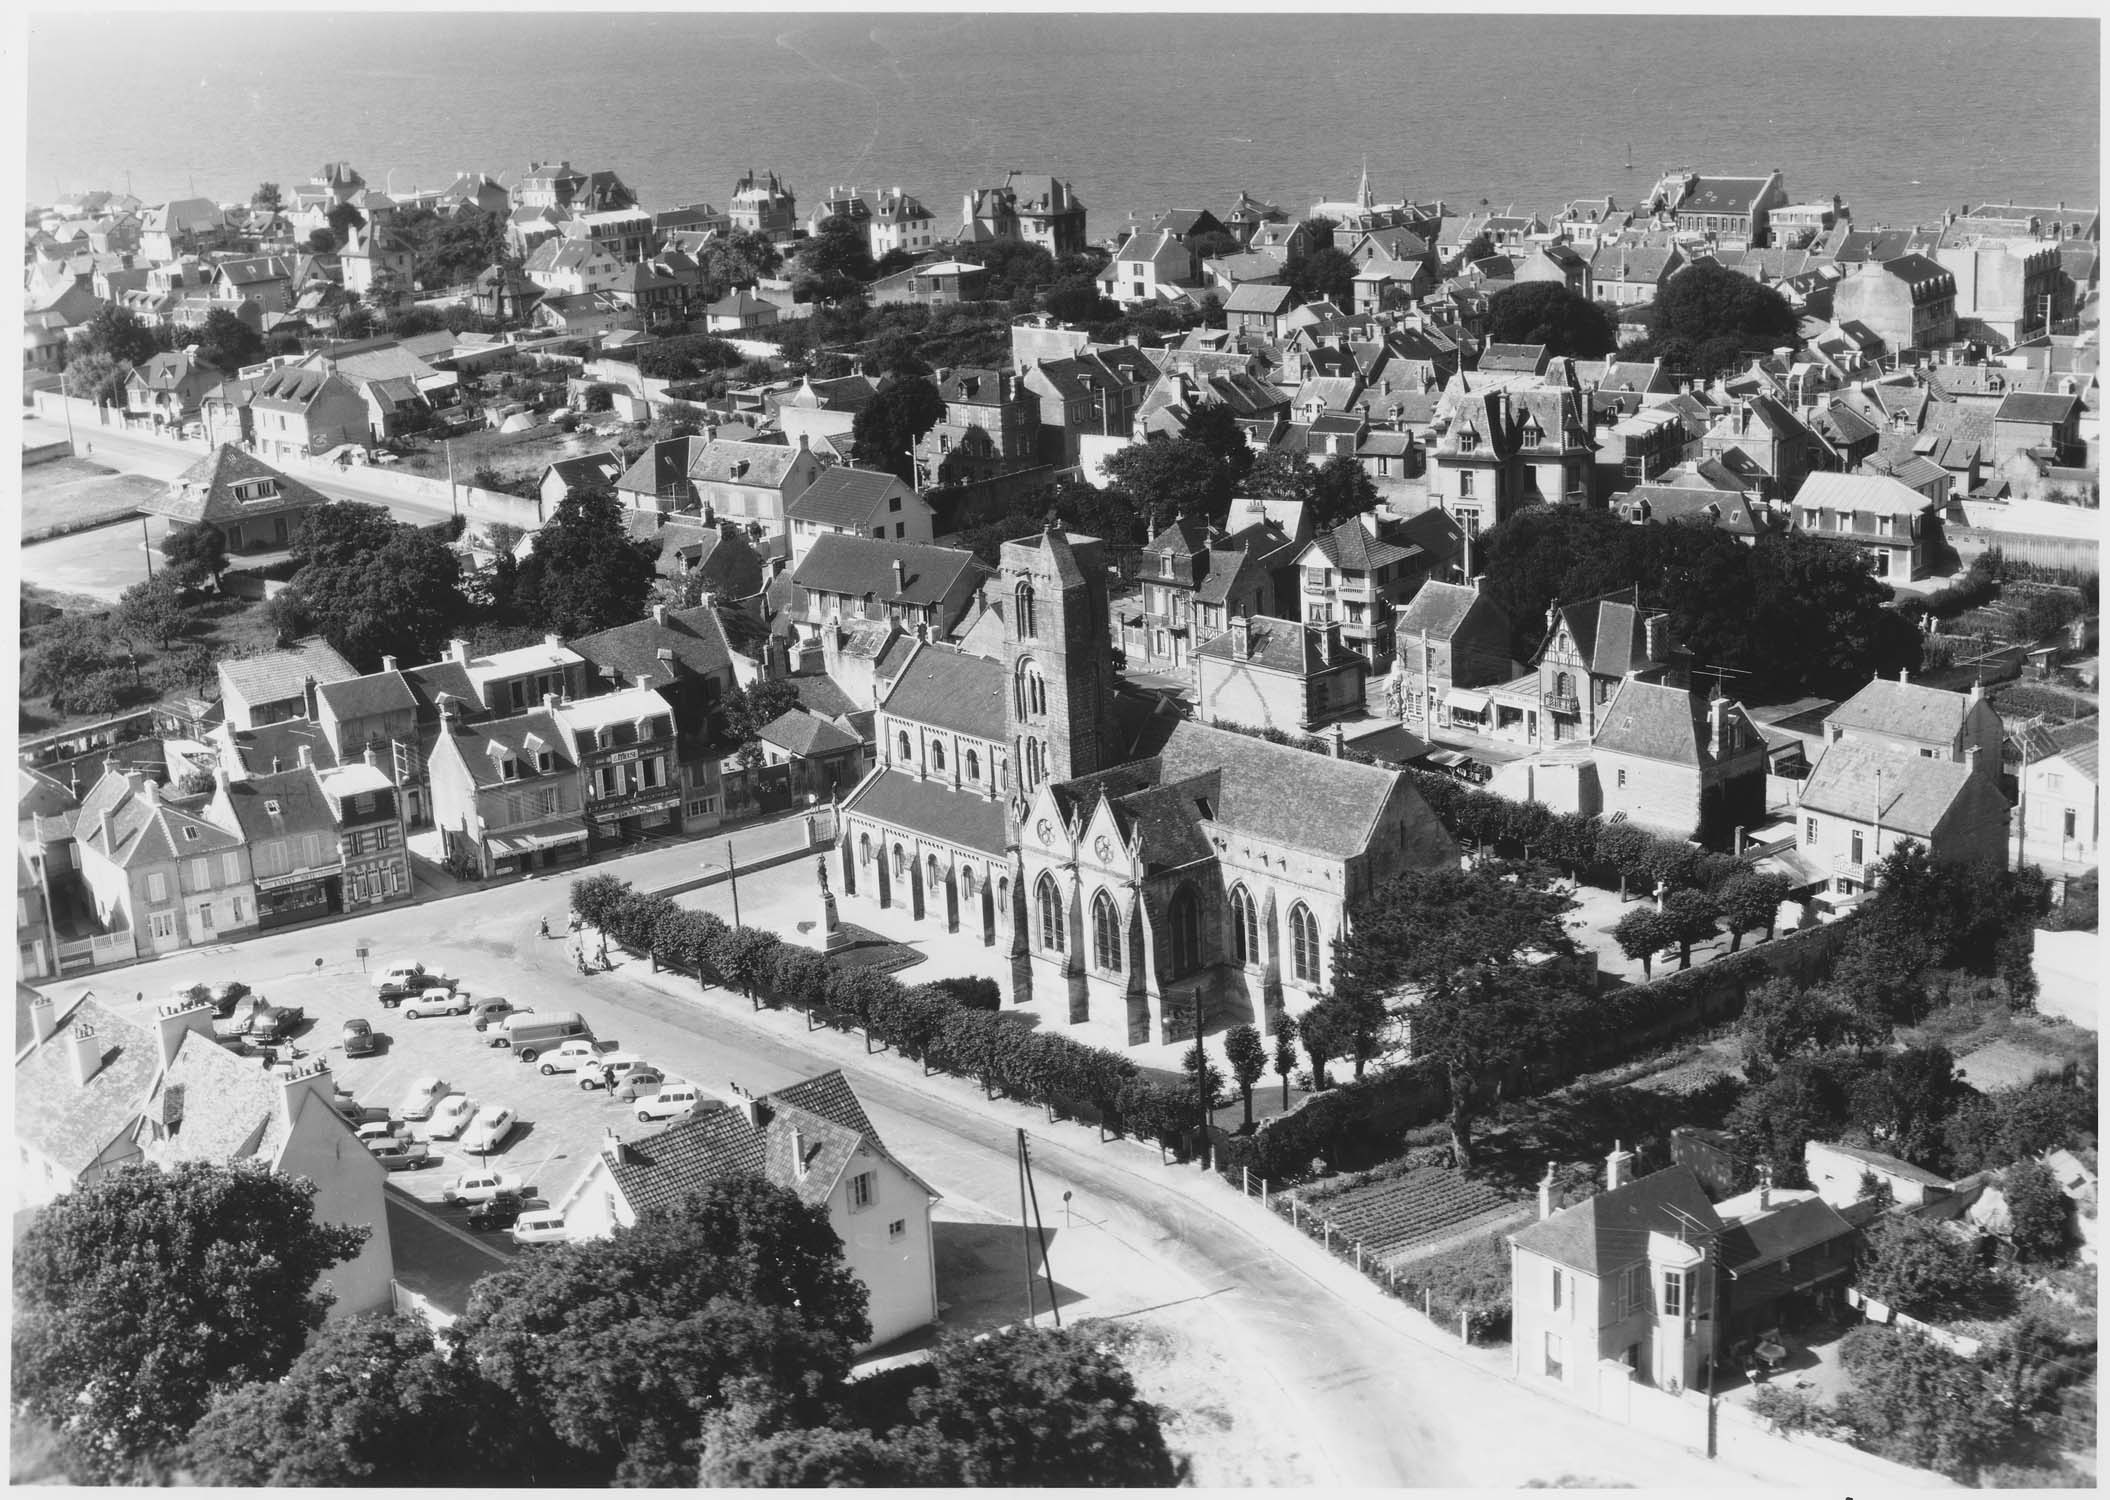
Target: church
1133, 867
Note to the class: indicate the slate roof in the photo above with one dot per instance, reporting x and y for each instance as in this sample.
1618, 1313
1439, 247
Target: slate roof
963, 819
1908, 709
948, 689
1353, 546
695, 636
1718, 195
277, 747
1790, 1229
1609, 632
859, 565
1276, 646
801, 733
1877, 494
1726, 509
70, 1123
1655, 721
1917, 792
1610, 1231
282, 674
230, 1107
2031, 406
847, 497
1257, 297
298, 796
143, 832
1438, 608
587, 469
364, 697
663, 469
296, 388
474, 741
205, 490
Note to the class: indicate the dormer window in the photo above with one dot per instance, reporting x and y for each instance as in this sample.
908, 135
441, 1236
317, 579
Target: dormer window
509, 769
190, 834
1468, 440
271, 807
545, 761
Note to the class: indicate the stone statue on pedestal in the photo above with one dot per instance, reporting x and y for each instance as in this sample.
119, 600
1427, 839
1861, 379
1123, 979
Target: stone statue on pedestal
832, 935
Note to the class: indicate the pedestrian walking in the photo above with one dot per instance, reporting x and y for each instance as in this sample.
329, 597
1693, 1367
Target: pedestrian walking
604, 953
608, 1077
545, 926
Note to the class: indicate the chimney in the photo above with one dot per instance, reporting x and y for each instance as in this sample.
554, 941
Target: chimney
1970, 758
299, 1078
43, 1018
659, 614
1618, 1168
178, 1019
1337, 739
757, 1111
307, 757
1717, 718
458, 651
1241, 638
553, 641
388, 664
367, 755
1546, 1193
276, 765
149, 791
307, 698
87, 1051
612, 1149
1656, 637
665, 655
1737, 843
550, 702
900, 579
1904, 674
1977, 692
1765, 1188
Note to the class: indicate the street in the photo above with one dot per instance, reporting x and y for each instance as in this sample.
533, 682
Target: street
1315, 1377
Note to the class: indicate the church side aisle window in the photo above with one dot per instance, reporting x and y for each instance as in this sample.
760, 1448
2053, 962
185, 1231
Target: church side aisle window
1106, 933
1050, 915
1184, 920
1304, 943
1245, 926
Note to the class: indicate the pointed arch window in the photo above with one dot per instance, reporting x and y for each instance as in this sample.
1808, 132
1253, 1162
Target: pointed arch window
974, 766
1304, 943
1050, 900
1184, 927
1024, 600
1106, 933
1245, 926
864, 848
937, 756
908, 749
900, 863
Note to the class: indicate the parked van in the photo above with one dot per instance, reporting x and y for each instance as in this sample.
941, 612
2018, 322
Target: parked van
530, 1034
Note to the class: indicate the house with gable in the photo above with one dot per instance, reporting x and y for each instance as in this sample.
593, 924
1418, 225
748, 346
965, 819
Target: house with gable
168, 390
374, 855
1680, 763
297, 412
1508, 446
1150, 267
1882, 518
1360, 574
847, 501
1267, 673
210, 1105
254, 506
1257, 308
290, 828
506, 792
581, 474
263, 689
685, 657
1907, 301
991, 427
658, 480
1591, 648
1781, 451
1449, 638
1910, 718
80, 1084
1862, 799
165, 877
853, 578
813, 1138
2062, 798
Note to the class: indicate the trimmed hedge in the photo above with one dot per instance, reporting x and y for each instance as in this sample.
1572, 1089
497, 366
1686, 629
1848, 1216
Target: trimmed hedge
943, 1025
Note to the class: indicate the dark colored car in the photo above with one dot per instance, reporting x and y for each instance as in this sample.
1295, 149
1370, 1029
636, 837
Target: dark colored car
401, 1154
359, 1039
492, 1010
498, 1211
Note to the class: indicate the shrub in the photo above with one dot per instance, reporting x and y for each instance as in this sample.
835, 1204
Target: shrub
797, 976
1472, 1280
1785, 1411
973, 991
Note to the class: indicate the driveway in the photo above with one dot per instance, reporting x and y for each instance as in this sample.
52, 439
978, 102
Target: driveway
1312, 1375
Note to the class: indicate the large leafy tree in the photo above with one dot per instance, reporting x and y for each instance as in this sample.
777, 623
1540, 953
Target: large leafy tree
586, 573
619, 1347
750, 709
1783, 1019
373, 1400
1547, 312
842, 248
117, 332
899, 413
1477, 962
155, 610
1707, 301
739, 259
1168, 476
227, 343
1341, 491
1215, 428
196, 552
1916, 1402
1280, 474
1324, 274
1808, 1099
267, 198
1920, 1267
1247, 1055
2040, 1217
141, 1294
95, 376
373, 585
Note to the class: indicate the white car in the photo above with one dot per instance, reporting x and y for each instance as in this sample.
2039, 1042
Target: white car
581, 1052
451, 1116
674, 1098
381, 1131
437, 1002
424, 1094
481, 1187
620, 1065
540, 1226
490, 1129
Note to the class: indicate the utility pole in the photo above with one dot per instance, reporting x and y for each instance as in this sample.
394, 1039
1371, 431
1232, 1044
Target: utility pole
1025, 1167
66, 406
1201, 1085
732, 875
146, 543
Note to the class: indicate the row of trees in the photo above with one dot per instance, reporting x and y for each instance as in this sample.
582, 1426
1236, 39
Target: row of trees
169, 1325
1794, 614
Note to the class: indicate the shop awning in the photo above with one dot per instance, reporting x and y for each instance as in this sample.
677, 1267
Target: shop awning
1467, 703
541, 836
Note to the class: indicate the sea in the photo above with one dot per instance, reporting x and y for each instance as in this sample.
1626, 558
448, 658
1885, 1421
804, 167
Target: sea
1902, 116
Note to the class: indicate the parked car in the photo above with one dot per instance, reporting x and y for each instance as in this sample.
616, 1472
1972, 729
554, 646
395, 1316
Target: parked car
481, 1186
497, 1211
541, 1226
490, 1130
259, 1020
531, 1035
437, 1001
639, 1083
349, 1107
401, 1155
450, 1117
673, 1099
488, 1013
222, 997
377, 1131
571, 1056
359, 1039
419, 1099
610, 1069
399, 981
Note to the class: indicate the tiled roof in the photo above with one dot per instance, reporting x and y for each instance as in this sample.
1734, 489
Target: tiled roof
277, 747
846, 497
230, 1107
1655, 721
663, 469
1877, 494
1438, 608
1908, 709
587, 469
802, 733
948, 689
1917, 792
71, 1123
143, 832
1275, 646
627, 652
859, 565
296, 388
364, 697
1287, 795
1790, 1229
296, 794
963, 819
2029, 406
1255, 297
1608, 632
205, 491
1610, 1231
282, 674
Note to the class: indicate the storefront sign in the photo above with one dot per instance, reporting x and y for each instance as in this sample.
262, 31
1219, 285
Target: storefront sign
619, 757
605, 813
303, 877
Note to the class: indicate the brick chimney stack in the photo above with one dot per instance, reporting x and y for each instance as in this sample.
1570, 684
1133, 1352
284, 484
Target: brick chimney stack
1618, 1168
86, 1049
